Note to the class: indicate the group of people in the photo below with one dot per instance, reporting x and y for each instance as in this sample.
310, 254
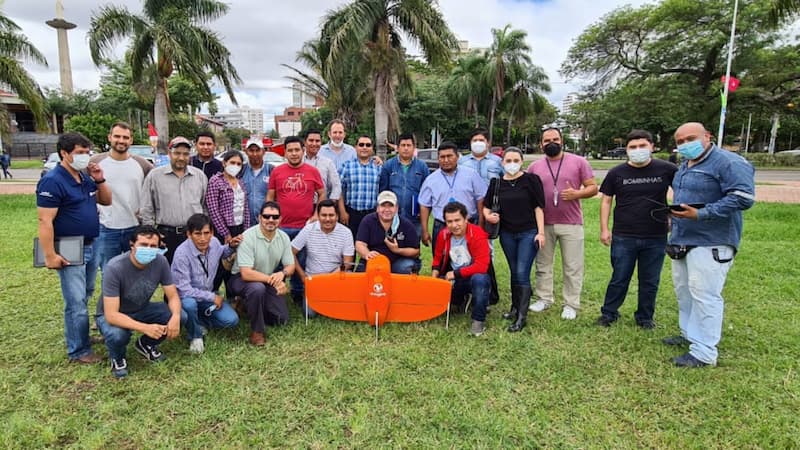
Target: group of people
200, 223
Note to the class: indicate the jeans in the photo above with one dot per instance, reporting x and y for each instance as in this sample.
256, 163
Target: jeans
117, 338
520, 249
77, 287
113, 242
570, 239
647, 254
698, 279
195, 311
297, 286
404, 266
479, 285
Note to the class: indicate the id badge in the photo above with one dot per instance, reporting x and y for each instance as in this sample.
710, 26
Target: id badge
555, 196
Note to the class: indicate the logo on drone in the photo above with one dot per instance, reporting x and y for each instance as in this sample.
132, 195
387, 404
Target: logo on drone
377, 290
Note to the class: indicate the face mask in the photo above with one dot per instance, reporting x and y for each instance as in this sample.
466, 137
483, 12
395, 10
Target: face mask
478, 147
146, 255
232, 169
691, 150
80, 162
336, 143
639, 155
512, 168
552, 149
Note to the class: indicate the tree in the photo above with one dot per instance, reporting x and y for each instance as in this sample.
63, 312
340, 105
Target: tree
525, 94
465, 84
92, 125
508, 53
784, 10
235, 136
376, 26
169, 35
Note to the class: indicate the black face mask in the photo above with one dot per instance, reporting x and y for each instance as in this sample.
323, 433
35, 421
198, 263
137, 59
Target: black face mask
552, 149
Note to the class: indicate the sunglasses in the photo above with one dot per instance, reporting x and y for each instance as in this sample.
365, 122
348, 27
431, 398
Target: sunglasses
364, 144
271, 216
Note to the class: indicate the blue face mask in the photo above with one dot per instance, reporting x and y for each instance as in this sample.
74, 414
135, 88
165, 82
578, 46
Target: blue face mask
691, 150
146, 255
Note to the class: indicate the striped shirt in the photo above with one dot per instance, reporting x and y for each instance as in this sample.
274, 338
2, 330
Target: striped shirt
324, 251
360, 184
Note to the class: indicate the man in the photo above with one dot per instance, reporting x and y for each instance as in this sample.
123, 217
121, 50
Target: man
256, 277
328, 244
449, 183
336, 149
5, 163
386, 233
359, 185
66, 201
404, 175
129, 282
640, 227
462, 256
194, 266
327, 170
480, 158
706, 238
566, 179
171, 194
205, 143
125, 173
255, 176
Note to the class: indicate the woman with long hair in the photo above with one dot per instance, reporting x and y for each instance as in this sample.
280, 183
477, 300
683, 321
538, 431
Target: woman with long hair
227, 200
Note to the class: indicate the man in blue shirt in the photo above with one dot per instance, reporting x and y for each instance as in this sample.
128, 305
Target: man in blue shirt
704, 238
336, 149
404, 175
66, 200
359, 178
480, 159
255, 176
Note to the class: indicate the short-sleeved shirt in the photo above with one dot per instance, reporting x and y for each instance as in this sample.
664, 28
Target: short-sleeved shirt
346, 153
261, 254
574, 170
76, 203
639, 192
256, 183
125, 178
517, 201
325, 252
463, 185
294, 190
133, 286
372, 233
488, 167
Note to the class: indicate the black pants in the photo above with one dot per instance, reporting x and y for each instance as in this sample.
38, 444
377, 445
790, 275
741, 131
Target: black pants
172, 238
264, 305
356, 217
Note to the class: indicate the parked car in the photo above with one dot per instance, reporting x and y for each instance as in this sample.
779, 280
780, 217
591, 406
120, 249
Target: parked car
50, 163
271, 158
619, 152
497, 151
145, 151
429, 156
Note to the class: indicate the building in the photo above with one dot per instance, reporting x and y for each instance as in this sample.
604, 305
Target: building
215, 126
569, 100
243, 117
288, 123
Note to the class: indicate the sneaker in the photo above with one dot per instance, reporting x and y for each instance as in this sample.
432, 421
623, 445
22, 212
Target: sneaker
477, 328
647, 324
150, 352
119, 368
539, 306
569, 313
675, 340
687, 360
196, 346
605, 321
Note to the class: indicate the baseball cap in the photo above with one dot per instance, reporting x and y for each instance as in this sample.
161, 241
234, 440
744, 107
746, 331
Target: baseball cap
254, 142
179, 140
387, 196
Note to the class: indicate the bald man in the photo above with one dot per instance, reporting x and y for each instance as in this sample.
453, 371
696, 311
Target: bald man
711, 189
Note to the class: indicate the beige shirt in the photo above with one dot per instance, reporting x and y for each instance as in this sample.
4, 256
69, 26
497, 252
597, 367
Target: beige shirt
170, 200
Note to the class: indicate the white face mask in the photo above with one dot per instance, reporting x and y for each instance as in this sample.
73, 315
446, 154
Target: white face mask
478, 147
512, 168
232, 169
336, 144
80, 162
639, 155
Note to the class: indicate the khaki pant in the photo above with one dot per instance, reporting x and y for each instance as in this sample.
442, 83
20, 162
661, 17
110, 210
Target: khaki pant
570, 239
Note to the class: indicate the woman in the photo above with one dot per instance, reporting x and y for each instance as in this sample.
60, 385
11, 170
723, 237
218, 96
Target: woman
227, 200
516, 202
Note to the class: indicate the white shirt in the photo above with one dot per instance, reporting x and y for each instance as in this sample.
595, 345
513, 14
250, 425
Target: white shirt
125, 179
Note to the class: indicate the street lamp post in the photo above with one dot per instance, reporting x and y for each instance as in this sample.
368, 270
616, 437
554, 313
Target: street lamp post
727, 76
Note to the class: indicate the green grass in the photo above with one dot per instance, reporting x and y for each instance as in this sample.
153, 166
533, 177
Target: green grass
26, 164
557, 384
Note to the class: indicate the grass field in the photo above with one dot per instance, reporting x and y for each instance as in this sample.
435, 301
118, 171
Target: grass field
557, 384
26, 164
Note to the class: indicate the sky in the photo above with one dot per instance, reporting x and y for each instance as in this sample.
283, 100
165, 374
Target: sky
262, 34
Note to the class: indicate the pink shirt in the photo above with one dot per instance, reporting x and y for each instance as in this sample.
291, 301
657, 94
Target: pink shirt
574, 170
294, 191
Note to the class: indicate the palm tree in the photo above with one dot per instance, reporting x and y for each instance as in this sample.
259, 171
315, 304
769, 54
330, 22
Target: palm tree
784, 9
170, 35
378, 27
15, 48
465, 84
508, 52
525, 95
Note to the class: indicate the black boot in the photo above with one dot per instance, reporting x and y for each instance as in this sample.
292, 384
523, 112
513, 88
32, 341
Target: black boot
522, 309
512, 313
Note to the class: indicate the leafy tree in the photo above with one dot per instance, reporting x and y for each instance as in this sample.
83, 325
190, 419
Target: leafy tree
235, 136
93, 125
466, 85
508, 53
525, 94
428, 107
784, 10
170, 36
184, 125
317, 119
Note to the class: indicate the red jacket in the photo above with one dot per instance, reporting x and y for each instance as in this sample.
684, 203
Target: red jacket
477, 244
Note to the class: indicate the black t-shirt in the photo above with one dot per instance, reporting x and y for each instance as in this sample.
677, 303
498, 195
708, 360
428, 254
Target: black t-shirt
517, 201
641, 197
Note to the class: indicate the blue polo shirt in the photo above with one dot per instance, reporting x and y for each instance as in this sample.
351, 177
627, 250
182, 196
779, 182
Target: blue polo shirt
371, 232
76, 203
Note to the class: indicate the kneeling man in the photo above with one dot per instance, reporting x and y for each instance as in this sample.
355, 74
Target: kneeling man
387, 233
129, 281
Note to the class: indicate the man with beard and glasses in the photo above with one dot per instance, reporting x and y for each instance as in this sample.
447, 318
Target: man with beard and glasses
359, 185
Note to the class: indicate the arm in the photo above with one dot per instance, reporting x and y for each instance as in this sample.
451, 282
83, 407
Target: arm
147, 208
539, 213
103, 191
408, 252
336, 183
424, 216
215, 209
46, 238
738, 187
297, 267
605, 212
182, 276
480, 216
364, 251
174, 303
274, 279
270, 195
344, 218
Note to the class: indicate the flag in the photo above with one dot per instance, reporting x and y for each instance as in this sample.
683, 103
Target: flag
151, 130
733, 83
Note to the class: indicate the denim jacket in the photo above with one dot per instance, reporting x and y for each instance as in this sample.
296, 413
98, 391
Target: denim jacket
405, 184
724, 182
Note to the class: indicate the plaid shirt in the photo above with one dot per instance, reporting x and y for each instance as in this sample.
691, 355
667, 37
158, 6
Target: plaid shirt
219, 200
360, 184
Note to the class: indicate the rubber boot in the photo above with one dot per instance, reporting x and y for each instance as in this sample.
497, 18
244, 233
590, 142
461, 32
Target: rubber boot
512, 313
522, 309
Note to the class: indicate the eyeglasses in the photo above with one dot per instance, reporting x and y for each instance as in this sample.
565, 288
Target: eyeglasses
364, 144
271, 216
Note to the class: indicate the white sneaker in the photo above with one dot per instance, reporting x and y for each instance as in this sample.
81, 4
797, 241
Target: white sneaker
569, 313
539, 306
196, 346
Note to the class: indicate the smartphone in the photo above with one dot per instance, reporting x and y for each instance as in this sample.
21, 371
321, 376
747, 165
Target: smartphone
680, 208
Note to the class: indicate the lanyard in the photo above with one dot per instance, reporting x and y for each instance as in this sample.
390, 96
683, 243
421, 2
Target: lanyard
555, 178
449, 184
203, 264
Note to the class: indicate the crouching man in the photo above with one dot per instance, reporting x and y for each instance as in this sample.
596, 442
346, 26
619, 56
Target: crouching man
462, 255
129, 281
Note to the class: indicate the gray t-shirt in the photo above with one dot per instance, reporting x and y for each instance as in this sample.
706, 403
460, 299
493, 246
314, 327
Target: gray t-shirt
133, 286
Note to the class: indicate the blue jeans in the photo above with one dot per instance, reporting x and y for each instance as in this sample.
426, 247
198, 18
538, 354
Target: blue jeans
404, 266
479, 285
297, 286
117, 338
520, 249
77, 287
698, 279
648, 255
112, 242
195, 310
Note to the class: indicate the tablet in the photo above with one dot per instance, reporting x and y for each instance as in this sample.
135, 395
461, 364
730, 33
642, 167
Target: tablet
69, 247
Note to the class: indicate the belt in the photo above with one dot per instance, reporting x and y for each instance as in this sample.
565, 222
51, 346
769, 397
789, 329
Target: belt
88, 241
171, 229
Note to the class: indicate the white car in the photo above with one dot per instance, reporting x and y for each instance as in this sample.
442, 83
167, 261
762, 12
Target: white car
50, 163
271, 158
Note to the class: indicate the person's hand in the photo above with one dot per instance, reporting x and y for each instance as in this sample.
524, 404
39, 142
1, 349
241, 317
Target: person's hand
312, 219
605, 237
275, 278
539, 239
687, 213
55, 261
492, 217
280, 288
425, 238
218, 301
435, 273
155, 330
228, 239
344, 218
450, 276
377, 160
391, 244
173, 328
95, 171
570, 193
371, 255
234, 242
